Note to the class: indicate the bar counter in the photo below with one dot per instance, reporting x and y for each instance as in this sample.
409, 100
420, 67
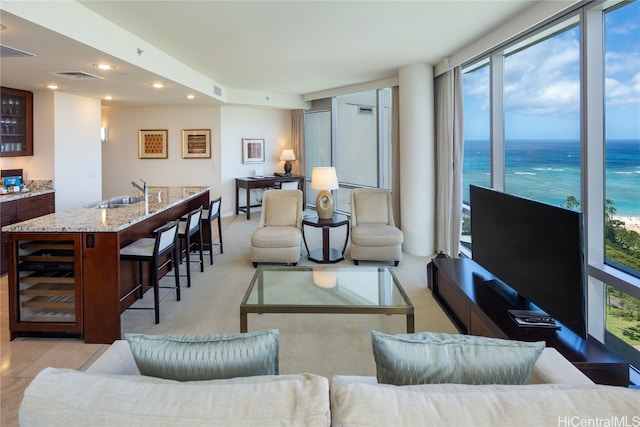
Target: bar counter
65, 274
96, 220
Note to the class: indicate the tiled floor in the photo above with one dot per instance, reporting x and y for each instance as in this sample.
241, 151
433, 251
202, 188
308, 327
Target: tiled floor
23, 358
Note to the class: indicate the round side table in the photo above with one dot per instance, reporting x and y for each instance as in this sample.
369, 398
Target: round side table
326, 254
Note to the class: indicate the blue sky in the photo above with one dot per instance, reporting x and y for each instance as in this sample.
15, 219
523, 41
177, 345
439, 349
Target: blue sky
542, 85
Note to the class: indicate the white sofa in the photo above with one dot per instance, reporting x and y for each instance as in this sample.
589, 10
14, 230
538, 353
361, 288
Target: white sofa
112, 392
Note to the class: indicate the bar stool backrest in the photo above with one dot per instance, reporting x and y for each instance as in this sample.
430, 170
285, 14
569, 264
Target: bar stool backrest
214, 208
166, 237
194, 220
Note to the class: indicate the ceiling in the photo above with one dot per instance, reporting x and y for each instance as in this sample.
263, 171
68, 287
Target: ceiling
291, 48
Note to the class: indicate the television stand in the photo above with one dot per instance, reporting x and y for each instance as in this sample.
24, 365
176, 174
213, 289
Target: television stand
460, 287
516, 300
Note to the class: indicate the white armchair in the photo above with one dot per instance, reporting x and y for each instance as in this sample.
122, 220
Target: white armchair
374, 236
279, 236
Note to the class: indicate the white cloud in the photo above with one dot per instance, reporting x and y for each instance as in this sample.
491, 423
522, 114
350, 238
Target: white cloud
544, 79
542, 82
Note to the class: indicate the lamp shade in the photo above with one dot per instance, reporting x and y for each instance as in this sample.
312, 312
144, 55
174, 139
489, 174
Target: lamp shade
324, 178
287, 154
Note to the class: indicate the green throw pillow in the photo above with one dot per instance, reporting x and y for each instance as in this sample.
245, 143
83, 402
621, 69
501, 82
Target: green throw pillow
206, 357
433, 358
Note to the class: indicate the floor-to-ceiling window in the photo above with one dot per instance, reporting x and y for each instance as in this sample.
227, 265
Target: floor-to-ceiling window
541, 98
622, 170
477, 128
352, 133
564, 109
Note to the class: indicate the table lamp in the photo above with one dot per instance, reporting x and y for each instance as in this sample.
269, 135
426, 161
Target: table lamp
287, 155
325, 180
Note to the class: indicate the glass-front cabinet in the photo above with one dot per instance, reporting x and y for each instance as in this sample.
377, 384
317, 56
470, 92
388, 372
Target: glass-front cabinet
45, 287
16, 123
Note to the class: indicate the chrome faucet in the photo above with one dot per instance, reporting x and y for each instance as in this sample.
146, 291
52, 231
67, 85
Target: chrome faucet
144, 189
145, 192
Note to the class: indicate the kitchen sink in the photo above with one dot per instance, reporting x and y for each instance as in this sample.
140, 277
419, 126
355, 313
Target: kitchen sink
118, 202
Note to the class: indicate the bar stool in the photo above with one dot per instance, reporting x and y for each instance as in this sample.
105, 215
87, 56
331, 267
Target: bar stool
188, 227
208, 216
152, 250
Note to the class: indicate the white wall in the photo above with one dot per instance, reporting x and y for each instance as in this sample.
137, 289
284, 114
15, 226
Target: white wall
77, 156
228, 125
274, 126
66, 148
120, 160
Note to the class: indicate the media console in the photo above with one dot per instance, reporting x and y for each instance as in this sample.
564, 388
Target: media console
459, 286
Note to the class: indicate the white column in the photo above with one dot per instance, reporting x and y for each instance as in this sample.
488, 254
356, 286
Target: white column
417, 159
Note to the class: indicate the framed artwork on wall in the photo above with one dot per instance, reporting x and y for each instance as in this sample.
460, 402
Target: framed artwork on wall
252, 150
152, 144
196, 143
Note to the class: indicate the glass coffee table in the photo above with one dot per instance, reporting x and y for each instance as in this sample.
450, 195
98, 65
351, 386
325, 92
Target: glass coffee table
334, 289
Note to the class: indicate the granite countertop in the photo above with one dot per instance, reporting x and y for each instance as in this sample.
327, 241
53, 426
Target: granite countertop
35, 188
91, 219
23, 195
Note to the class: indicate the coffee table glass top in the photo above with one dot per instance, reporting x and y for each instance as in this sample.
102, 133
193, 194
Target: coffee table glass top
372, 287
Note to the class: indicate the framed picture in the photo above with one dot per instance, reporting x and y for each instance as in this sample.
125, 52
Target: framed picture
196, 143
152, 144
252, 150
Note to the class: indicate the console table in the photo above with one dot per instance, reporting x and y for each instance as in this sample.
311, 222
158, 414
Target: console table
249, 183
459, 285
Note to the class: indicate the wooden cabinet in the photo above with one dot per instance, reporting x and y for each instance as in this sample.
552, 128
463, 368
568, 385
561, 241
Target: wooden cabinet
8, 215
16, 123
47, 292
35, 206
19, 210
460, 286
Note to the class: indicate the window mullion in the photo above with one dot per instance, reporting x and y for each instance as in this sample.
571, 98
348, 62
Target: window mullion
497, 121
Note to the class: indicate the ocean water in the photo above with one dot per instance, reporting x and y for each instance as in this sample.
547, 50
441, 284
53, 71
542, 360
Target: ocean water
549, 171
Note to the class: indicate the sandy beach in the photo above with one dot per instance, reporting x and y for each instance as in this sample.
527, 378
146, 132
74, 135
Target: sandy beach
630, 222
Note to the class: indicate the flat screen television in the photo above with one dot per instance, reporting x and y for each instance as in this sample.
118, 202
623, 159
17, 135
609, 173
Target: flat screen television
534, 248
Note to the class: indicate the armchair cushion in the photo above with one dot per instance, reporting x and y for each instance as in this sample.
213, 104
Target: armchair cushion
372, 207
284, 211
369, 234
276, 237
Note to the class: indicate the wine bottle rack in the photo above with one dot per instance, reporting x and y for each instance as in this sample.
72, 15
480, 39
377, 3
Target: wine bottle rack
47, 285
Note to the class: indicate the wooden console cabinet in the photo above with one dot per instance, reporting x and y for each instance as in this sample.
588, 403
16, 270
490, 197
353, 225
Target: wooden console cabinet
459, 285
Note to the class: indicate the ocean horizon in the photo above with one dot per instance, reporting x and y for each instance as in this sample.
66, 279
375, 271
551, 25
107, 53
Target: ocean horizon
549, 170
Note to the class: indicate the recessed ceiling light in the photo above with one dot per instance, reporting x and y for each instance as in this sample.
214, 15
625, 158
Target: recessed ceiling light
105, 67
53, 86
157, 85
190, 96
108, 97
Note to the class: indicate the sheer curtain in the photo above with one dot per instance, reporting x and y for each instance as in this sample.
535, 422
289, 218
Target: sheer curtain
395, 155
297, 141
449, 145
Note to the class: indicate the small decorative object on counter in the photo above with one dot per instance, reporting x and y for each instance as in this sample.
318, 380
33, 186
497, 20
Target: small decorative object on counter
13, 184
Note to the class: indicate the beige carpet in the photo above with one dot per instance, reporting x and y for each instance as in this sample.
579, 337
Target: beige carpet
324, 344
